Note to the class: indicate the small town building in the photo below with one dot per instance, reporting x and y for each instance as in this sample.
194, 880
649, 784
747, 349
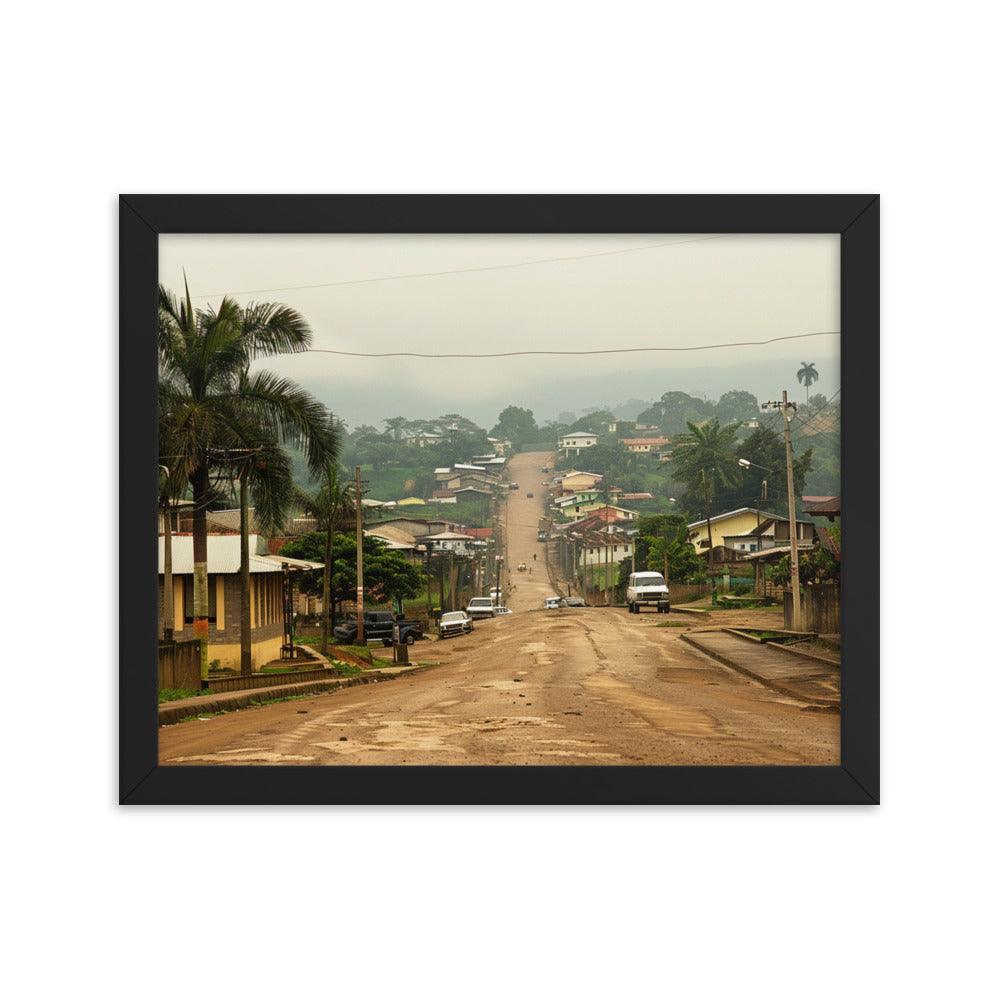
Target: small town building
574, 481
574, 443
741, 521
645, 445
268, 582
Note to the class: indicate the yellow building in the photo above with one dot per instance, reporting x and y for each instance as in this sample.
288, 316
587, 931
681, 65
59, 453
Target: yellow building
577, 482
734, 522
266, 597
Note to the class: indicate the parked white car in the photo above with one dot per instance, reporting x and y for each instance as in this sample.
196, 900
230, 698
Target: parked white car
454, 623
551, 603
481, 607
647, 588
501, 610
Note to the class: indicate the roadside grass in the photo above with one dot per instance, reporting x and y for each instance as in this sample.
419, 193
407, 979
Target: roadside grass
175, 694
362, 652
255, 704
349, 668
672, 625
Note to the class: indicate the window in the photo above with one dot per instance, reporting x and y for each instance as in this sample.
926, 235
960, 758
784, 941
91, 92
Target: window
189, 598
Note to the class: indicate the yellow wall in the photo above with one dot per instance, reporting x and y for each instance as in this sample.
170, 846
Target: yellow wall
228, 653
220, 603
574, 484
739, 524
178, 604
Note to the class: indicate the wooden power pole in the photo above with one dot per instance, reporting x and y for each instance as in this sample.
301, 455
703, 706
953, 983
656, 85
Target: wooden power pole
787, 409
359, 540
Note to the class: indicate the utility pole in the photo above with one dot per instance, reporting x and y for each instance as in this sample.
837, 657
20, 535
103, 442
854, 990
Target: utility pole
359, 540
787, 409
246, 657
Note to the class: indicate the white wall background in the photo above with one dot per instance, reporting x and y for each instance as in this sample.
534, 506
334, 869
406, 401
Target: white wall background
578, 97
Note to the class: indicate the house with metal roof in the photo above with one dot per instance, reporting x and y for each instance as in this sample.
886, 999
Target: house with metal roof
270, 590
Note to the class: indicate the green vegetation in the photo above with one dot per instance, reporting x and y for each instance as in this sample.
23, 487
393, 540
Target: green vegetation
219, 422
176, 694
388, 575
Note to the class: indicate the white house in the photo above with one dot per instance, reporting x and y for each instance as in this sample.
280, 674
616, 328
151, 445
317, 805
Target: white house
576, 442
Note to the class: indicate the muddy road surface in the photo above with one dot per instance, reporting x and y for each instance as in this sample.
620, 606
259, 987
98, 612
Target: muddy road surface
573, 686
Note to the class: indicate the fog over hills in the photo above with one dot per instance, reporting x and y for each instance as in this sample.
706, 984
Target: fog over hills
544, 390
493, 293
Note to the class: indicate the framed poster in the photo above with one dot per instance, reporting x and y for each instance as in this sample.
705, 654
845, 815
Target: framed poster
499, 499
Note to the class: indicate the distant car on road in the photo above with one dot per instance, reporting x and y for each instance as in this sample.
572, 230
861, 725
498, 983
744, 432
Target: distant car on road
481, 607
543, 536
647, 588
529, 495
501, 610
512, 486
454, 623
551, 603
573, 602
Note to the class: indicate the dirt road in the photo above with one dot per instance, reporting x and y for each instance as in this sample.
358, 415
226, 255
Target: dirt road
574, 686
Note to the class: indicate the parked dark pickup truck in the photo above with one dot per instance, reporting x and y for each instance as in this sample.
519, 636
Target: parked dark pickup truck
379, 625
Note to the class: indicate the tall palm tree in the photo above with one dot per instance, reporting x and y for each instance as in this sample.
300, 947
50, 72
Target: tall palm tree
806, 375
704, 460
332, 505
217, 404
395, 425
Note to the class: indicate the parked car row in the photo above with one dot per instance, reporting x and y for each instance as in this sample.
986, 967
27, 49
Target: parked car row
461, 622
379, 625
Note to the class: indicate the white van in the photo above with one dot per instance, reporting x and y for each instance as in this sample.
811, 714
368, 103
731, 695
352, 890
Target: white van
481, 607
551, 603
647, 588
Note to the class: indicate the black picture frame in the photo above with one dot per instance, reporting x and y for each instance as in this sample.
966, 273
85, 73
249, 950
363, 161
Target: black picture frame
142, 218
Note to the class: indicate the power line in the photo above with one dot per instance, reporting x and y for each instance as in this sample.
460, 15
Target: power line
603, 350
460, 270
812, 417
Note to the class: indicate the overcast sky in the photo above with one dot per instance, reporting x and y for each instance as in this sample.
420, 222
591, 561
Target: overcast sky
697, 291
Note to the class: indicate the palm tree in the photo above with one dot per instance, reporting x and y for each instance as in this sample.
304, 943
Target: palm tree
171, 488
215, 404
806, 375
332, 505
704, 460
395, 425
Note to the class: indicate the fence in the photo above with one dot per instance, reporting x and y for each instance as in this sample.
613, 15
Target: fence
179, 665
820, 608
239, 683
680, 593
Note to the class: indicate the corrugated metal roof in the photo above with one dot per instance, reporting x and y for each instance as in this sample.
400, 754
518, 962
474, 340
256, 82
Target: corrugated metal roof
223, 555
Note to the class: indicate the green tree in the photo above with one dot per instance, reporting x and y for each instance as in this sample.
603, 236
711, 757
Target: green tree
675, 410
388, 575
516, 425
737, 405
332, 505
213, 403
806, 375
665, 535
395, 426
704, 460
765, 449
595, 421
